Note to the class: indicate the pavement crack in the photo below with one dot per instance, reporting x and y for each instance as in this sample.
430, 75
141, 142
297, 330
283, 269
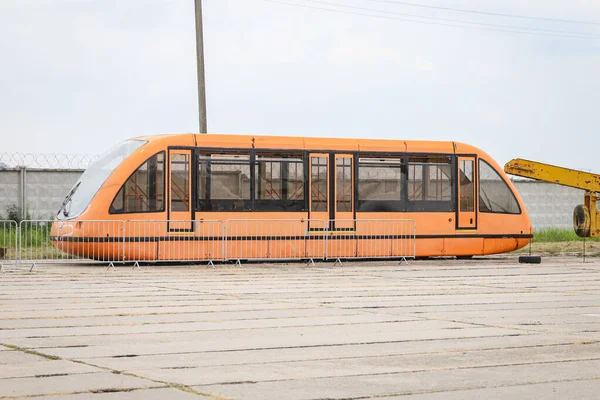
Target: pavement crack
33, 352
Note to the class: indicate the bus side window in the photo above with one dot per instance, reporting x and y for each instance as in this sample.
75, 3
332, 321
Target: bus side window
494, 194
380, 181
180, 165
279, 182
430, 183
224, 182
467, 196
144, 190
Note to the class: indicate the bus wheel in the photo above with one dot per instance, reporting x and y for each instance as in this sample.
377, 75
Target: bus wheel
530, 259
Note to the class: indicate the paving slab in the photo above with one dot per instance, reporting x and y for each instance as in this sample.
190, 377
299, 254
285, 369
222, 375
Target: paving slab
382, 365
47, 385
191, 331
571, 390
18, 357
140, 394
133, 319
282, 338
44, 368
260, 356
267, 317
365, 385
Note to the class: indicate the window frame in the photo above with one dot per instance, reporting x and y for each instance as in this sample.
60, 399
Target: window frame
346, 166
273, 205
249, 205
329, 190
464, 205
445, 206
401, 202
164, 188
406, 206
512, 193
209, 208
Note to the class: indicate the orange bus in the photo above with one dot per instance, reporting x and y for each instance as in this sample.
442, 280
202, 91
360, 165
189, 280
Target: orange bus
460, 199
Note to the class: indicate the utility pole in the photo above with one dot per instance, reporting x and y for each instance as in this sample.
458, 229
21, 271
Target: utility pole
200, 65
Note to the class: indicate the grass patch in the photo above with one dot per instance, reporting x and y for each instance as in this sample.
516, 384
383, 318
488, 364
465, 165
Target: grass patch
28, 237
555, 235
34, 243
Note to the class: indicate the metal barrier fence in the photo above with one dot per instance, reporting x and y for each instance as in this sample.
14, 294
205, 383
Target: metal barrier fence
168, 241
9, 244
271, 239
50, 242
372, 239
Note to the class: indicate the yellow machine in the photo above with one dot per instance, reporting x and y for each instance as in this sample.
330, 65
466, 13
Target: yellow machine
586, 217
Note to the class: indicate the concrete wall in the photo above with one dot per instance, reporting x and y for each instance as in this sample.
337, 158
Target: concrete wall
10, 189
39, 191
548, 205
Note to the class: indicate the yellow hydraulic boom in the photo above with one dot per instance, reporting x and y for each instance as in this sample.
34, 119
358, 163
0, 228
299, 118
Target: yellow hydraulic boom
586, 218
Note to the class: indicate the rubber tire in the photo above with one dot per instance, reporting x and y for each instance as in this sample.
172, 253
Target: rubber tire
530, 260
582, 221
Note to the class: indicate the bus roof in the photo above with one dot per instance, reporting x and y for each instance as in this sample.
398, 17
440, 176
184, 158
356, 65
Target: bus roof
228, 141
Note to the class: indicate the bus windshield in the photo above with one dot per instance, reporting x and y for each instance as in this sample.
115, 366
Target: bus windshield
94, 176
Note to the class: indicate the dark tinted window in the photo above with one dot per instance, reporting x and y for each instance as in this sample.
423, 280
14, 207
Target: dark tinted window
180, 181
467, 190
430, 183
380, 182
319, 187
224, 182
279, 182
429, 178
343, 184
494, 194
144, 190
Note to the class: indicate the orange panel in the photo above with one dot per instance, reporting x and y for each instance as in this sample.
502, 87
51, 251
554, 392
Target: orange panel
374, 248
192, 250
341, 247
430, 247
141, 251
464, 246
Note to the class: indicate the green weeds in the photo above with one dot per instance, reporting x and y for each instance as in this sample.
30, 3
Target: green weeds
555, 235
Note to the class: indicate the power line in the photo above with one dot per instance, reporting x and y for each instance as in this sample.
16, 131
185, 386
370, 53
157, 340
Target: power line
403, 3
454, 20
573, 36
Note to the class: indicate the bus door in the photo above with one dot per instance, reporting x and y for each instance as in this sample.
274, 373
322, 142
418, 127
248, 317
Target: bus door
332, 201
343, 193
466, 216
332, 190
319, 185
180, 191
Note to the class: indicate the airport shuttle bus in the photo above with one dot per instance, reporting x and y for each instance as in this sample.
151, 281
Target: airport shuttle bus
460, 199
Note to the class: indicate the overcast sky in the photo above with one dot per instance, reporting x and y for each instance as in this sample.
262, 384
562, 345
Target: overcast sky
78, 76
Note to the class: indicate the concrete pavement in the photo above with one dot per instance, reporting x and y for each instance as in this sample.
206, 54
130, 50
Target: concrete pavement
435, 329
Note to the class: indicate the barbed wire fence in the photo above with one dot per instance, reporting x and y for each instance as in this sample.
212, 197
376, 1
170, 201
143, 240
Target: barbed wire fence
46, 161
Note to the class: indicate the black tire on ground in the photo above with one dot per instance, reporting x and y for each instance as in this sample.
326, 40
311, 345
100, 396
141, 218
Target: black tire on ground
530, 259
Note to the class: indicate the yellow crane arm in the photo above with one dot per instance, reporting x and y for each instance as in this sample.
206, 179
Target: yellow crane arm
551, 173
